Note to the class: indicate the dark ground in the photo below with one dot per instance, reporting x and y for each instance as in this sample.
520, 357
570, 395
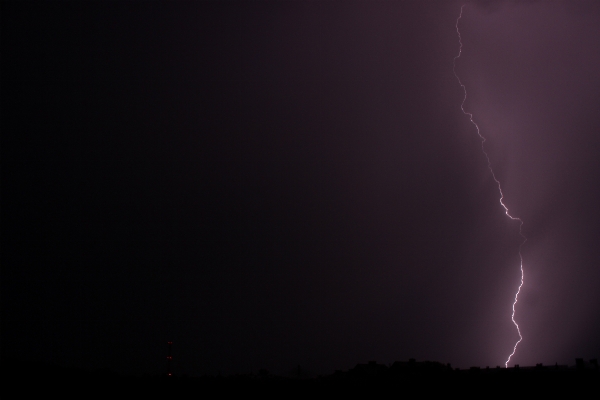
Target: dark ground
399, 379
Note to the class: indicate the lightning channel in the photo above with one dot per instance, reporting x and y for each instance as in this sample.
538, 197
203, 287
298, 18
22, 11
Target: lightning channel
489, 165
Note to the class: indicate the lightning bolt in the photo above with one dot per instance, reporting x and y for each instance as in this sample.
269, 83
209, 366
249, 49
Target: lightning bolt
489, 164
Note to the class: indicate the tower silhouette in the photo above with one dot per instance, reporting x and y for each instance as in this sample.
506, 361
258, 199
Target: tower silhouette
169, 358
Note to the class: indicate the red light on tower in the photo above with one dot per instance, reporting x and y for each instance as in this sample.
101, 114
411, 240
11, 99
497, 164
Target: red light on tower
169, 358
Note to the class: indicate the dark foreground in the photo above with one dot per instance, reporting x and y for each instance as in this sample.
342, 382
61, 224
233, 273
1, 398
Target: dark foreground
401, 379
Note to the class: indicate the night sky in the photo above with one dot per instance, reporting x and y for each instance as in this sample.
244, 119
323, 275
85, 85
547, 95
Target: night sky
279, 183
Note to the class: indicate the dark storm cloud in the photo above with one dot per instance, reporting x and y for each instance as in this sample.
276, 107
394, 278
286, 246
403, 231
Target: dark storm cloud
270, 183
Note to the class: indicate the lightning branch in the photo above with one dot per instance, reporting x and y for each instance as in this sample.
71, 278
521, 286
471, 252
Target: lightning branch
489, 165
